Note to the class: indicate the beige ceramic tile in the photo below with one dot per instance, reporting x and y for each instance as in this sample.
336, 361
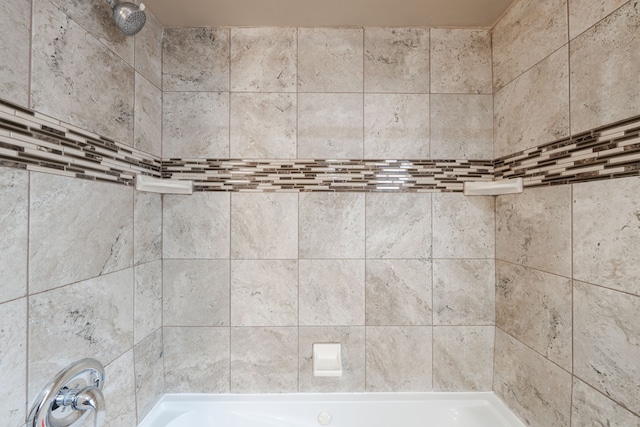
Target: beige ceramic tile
263, 59
148, 117
461, 61
149, 367
525, 35
602, 59
263, 125
534, 229
464, 292
607, 342
120, 392
396, 60
14, 209
147, 227
148, 50
147, 311
15, 51
534, 108
592, 408
330, 60
583, 14
461, 127
396, 126
13, 362
332, 292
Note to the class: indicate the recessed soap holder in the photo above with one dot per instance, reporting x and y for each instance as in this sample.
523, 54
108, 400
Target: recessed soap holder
327, 359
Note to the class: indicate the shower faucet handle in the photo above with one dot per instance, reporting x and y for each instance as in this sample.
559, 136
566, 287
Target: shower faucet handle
88, 399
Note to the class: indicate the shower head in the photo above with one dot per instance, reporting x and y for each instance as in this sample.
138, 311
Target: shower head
128, 17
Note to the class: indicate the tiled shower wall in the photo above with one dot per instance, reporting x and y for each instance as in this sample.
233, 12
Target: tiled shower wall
568, 300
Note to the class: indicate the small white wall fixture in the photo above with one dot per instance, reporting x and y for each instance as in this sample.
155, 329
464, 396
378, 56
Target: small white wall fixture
493, 188
327, 359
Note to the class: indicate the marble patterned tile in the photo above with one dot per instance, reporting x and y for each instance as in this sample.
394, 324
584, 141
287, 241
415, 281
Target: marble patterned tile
195, 59
263, 125
606, 342
147, 311
330, 125
264, 360
196, 360
332, 292
330, 59
591, 408
535, 389
149, 367
525, 35
14, 210
69, 81
94, 318
463, 227
464, 292
147, 227
534, 108
148, 50
398, 225
120, 392
535, 308
148, 117
332, 225
399, 292
195, 125
65, 244
409, 370
195, 292
602, 58
396, 126
533, 229
463, 358
583, 14
15, 32
13, 362
264, 293
606, 216
396, 60
461, 126
263, 59
461, 61
196, 226
352, 340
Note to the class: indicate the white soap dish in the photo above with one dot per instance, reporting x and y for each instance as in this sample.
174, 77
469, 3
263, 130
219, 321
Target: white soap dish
327, 360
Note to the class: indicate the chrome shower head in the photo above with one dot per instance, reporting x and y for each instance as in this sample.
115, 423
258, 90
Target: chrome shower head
128, 17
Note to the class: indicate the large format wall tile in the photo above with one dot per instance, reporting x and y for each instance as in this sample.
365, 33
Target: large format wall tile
147, 311
120, 392
13, 362
591, 408
602, 59
149, 367
148, 117
78, 229
147, 227
15, 27
148, 50
585, 13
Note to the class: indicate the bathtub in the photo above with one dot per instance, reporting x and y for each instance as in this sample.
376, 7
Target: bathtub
334, 410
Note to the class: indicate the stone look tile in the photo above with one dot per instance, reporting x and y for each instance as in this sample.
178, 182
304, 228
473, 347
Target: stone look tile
399, 292
352, 340
535, 308
263, 125
396, 126
607, 342
149, 366
65, 245
195, 59
148, 50
195, 125
396, 60
533, 229
98, 99
534, 108
148, 117
14, 209
196, 360
463, 227
264, 293
526, 34
120, 392
147, 299
15, 32
585, 13
535, 389
398, 225
330, 60
606, 234
332, 292
461, 127
263, 59
147, 227
463, 292
330, 125
264, 360
463, 358
410, 367
332, 225
196, 292
591, 408
602, 59
196, 226
461, 61
264, 226
13, 362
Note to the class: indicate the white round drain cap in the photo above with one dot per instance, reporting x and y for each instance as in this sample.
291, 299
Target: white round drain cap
324, 418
